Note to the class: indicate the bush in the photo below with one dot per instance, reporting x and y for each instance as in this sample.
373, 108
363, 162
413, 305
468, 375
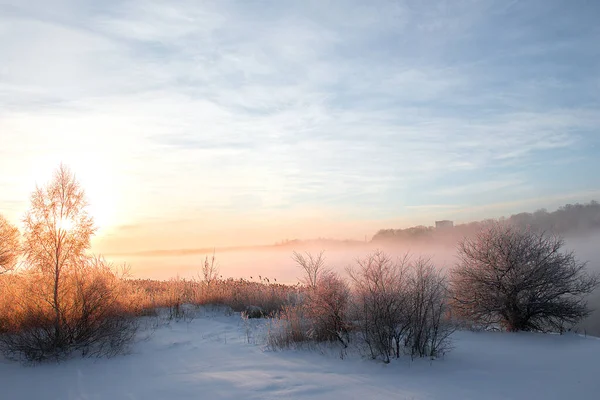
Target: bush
290, 329
429, 327
519, 280
326, 307
325, 300
401, 306
94, 320
380, 303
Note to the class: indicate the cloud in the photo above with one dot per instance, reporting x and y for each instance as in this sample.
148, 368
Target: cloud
485, 186
191, 107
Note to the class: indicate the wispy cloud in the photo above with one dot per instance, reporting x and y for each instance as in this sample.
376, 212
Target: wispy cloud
481, 187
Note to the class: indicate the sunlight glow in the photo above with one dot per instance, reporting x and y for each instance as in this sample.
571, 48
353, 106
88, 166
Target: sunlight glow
65, 224
99, 181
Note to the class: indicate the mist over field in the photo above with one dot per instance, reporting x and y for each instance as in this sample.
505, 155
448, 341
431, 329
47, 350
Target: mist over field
273, 262
276, 263
587, 249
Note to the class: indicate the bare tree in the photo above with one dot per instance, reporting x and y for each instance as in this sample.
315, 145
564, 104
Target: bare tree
9, 245
520, 280
313, 266
58, 231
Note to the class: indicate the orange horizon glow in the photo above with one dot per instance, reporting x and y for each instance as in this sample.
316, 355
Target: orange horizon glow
130, 225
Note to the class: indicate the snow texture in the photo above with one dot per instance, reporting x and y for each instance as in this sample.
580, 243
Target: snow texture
212, 358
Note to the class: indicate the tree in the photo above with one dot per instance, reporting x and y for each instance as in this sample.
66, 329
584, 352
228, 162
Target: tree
9, 245
520, 279
57, 234
313, 266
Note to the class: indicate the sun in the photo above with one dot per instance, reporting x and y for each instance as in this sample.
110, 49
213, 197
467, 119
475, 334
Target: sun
99, 180
65, 224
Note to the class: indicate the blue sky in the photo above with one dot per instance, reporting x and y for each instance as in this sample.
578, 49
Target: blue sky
312, 118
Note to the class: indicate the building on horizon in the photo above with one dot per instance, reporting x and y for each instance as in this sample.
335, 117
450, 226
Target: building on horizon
444, 224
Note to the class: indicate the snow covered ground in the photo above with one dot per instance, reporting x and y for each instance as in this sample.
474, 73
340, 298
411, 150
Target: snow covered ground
210, 358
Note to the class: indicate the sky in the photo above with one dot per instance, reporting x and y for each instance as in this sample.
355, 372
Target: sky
216, 123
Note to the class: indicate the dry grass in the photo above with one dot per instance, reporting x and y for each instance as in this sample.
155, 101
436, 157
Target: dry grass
146, 294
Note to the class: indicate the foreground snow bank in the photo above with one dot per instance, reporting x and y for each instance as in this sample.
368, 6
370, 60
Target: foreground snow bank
210, 358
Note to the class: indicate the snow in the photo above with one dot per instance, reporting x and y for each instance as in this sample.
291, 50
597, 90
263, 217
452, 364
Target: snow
210, 358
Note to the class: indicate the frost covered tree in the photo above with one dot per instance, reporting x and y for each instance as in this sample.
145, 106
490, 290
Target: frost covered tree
58, 231
520, 279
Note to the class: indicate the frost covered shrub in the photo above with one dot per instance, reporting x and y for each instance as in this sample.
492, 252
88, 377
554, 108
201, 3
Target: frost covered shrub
317, 312
400, 306
326, 308
429, 326
393, 307
520, 280
325, 300
379, 303
289, 329
94, 319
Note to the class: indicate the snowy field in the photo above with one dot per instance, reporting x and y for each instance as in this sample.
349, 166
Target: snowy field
210, 358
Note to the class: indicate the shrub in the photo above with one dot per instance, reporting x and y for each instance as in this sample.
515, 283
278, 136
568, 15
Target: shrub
326, 307
400, 306
290, 329
520, 280
94, 320
380, 304
429, 324
325, 300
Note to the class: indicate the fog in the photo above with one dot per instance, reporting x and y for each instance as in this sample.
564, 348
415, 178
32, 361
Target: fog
587, 248
275, 262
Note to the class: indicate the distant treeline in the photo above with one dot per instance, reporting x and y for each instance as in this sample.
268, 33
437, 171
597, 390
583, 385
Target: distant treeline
568, 219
